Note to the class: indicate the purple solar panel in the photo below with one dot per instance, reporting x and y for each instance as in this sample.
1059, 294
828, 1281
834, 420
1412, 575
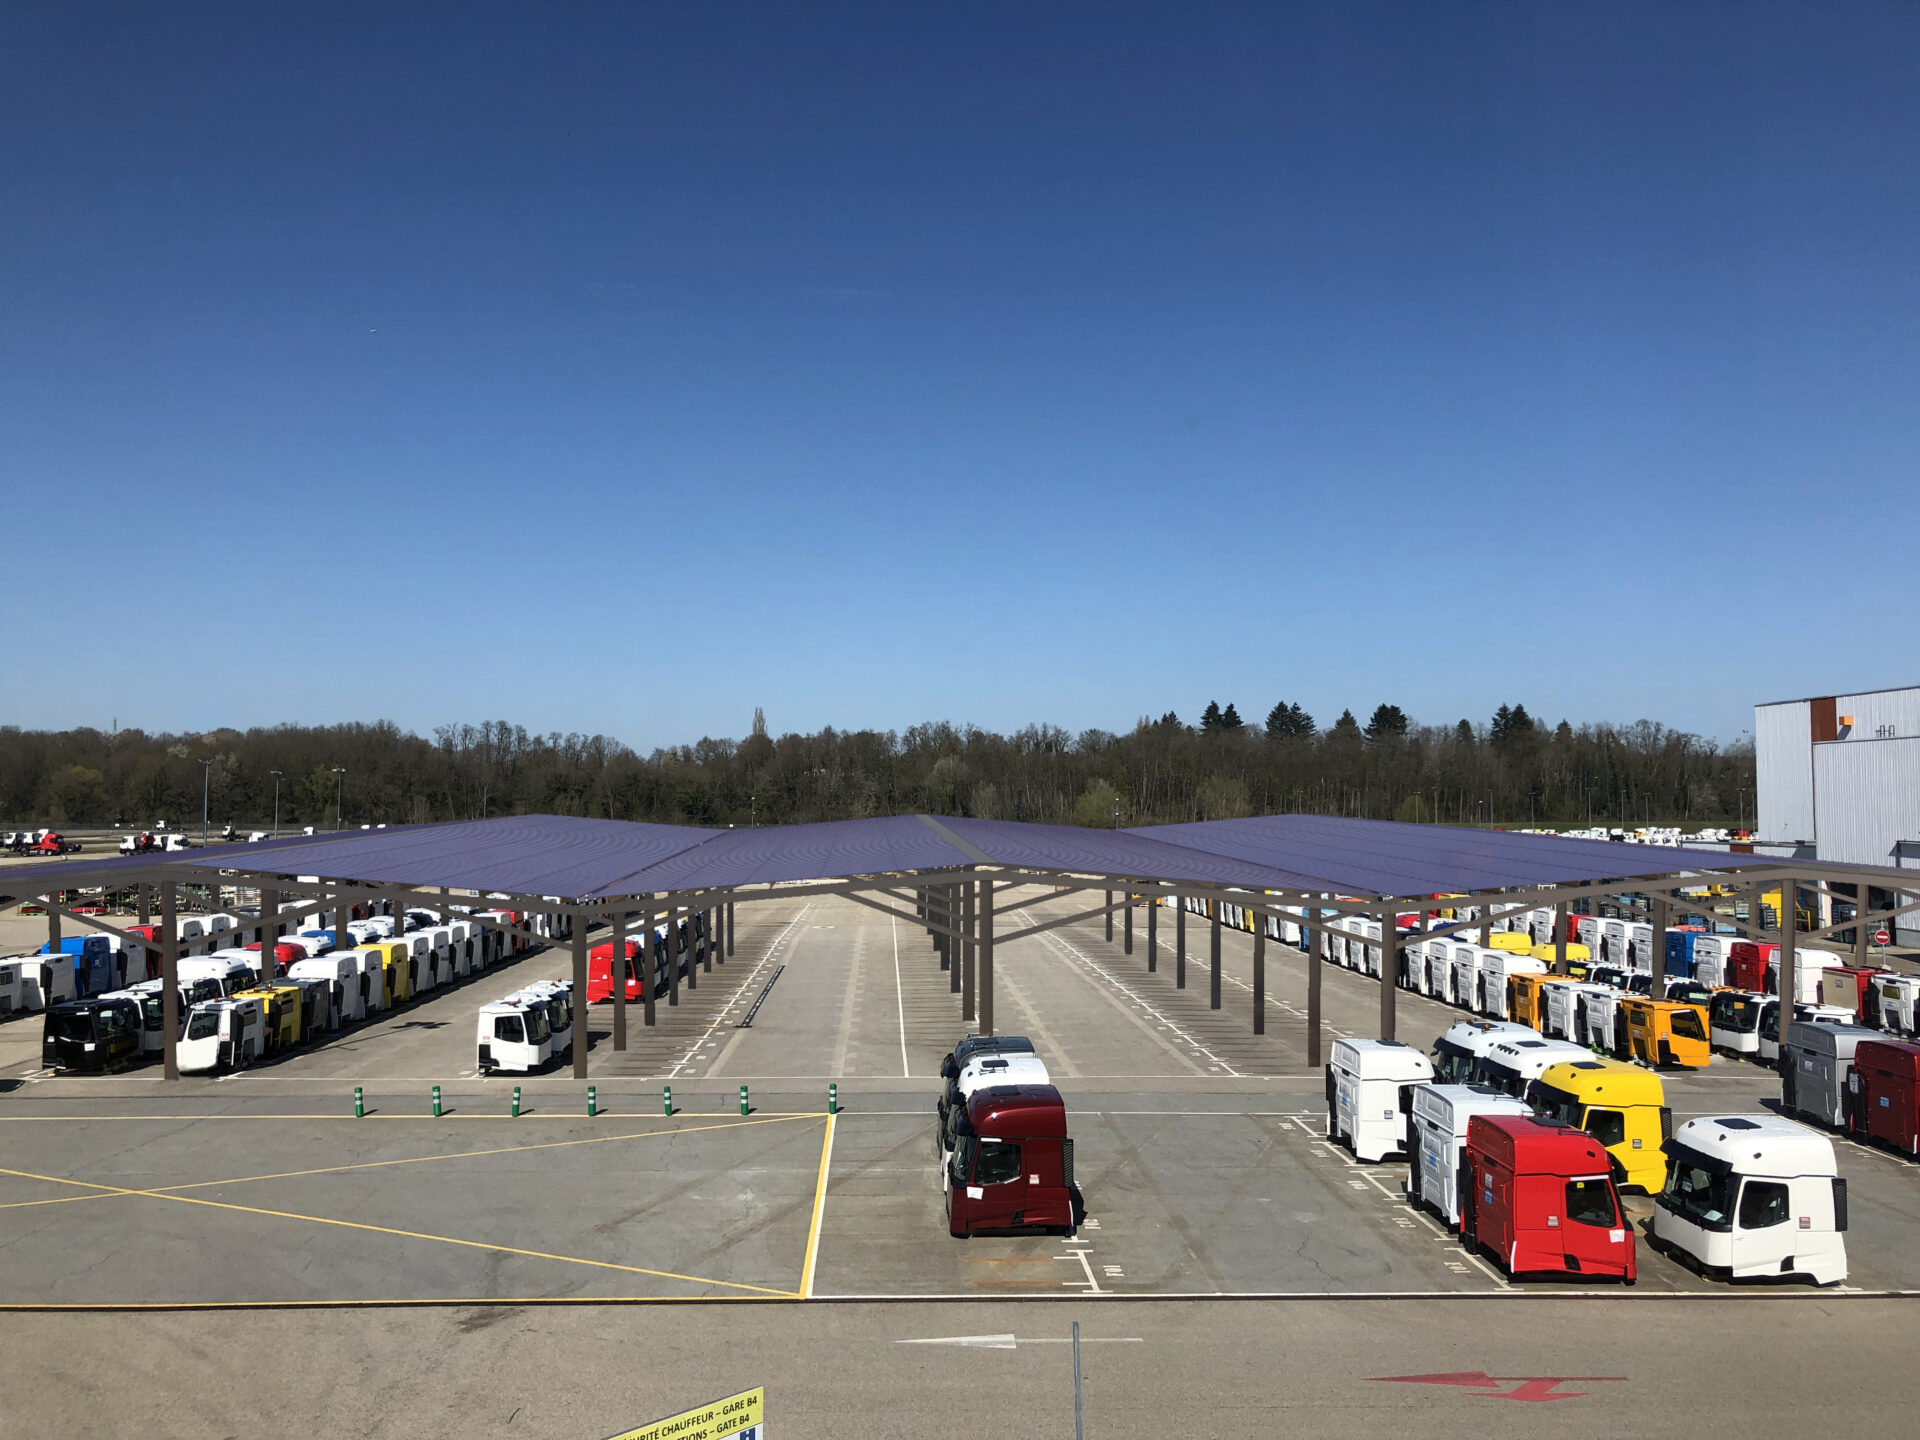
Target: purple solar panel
1117, 852
1385, 857
823, 851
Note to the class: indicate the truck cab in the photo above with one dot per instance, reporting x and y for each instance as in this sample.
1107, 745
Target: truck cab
557, 997
1733, 1021
1370, 1087
1817, 1080
1891, 1002
1754, 1196
1886, 1094
1579, 959
1456, 1054
1540, 1197
1441, 1114
971, 1045
280, 1007
1013, 1168
982, 1069
514, 1036
1498, 970
1622, 1106
93, 1035
227, 1034
1769, 1047
1563, 1013
1512, 1063
1666, 1033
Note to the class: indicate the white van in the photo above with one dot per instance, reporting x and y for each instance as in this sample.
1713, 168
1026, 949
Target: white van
221, 1035
1496, 967
1751, 1196
513, 1036
342, 977
1512, 1063
1440, 1116
1370, 1086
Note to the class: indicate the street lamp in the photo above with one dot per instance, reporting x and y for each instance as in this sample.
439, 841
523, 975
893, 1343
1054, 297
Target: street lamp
276, 803
339, 789
206, 772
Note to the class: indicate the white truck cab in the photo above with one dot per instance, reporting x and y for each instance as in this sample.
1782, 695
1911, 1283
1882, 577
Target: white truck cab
1440, 1116
1456, 1054
233, 969
1370, 1085
1512, 1062
513, 1035
1733, 1021
1496, 967
1749, 1196
339, 972
987, 1068
221, 1035
557, 996
1563, 1013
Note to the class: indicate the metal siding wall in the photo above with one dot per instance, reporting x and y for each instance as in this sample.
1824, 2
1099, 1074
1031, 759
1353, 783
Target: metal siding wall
1898, 709
1869, 802
1782, 746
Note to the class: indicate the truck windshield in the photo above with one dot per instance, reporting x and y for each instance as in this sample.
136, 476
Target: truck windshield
1501, 1077
1555, 1103
75, 1026
1452, 1064
203, 1026
1686, 1024
1699, 1188
1590, 1202
1739, 1013
537, 1030
560, 1011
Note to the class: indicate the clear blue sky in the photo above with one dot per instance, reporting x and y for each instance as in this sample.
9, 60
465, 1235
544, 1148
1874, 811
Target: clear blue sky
621, 367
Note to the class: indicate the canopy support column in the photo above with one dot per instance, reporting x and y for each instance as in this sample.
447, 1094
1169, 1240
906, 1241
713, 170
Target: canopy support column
1860, 925
949, 951
617, 963
1259, 975
964, 954
170, 979
1389, 971
691, 951
649, 973
710, 922
1560, 938
1213, 985
986, 956
52, 902
729, 927
580, 989
1127, 900
1109, 917
673, 954
1153, 935
146, 904
1180, 945
1658, 920
1789, 979
1316, 947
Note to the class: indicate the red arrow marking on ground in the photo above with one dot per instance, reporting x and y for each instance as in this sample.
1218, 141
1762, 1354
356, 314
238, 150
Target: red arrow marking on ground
1533, 1389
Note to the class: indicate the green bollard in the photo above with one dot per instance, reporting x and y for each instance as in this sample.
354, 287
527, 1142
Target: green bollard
359, 1104
666, 1100
516, 1102
436, 1102
833, 1099
743, 1099
593, 1101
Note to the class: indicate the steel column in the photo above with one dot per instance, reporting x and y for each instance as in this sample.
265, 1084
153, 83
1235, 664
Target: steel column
649, 968
1657, 918
170, 979
1860, 925
580, 989
963, 967
1180, 945
1213, 984
693, 955
986, 956
950, 952
53, 927
1560, 938
1315, 958
673, 955
1389, 971
146, 904
938, 914
1109, 917
617, 977
1129, 932
1153, 934
1789, 980
729, 927
710, 921
1260, 977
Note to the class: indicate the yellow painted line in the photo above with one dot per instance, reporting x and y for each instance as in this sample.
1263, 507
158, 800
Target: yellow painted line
819, 1209
468, 1154
409, 1234
56, 1200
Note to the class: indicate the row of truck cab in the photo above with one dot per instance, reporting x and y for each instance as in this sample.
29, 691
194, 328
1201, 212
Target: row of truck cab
239, 1004
1000, 1136
1522, 1146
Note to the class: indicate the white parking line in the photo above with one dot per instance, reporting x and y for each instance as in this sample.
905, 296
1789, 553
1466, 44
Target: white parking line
746, 985
899, 996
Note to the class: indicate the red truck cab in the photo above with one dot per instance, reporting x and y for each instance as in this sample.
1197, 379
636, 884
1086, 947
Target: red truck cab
1540, 1196
283, 956
600, 972
1747, 962
1011, 1166
1885, 1094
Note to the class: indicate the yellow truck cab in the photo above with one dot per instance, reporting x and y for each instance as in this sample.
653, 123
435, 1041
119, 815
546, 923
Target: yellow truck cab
1524, 999
1666, 1032
1579, 959
1510, 940
397, 963
1622, 1106
280, 1012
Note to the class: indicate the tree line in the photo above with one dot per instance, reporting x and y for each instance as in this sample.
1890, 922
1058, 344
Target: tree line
1509, 770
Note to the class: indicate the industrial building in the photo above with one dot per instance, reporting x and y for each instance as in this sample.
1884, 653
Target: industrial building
1839, 780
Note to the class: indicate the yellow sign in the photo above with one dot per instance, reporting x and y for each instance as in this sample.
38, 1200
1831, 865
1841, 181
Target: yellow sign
741, 1415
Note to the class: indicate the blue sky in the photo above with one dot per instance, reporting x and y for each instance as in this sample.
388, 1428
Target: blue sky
619, 368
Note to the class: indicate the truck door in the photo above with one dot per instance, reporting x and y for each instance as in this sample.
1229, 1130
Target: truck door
999, 1185
1761, 1237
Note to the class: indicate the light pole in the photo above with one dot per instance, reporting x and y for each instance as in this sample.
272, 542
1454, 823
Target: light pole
206, 772
339, 789
276, 803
